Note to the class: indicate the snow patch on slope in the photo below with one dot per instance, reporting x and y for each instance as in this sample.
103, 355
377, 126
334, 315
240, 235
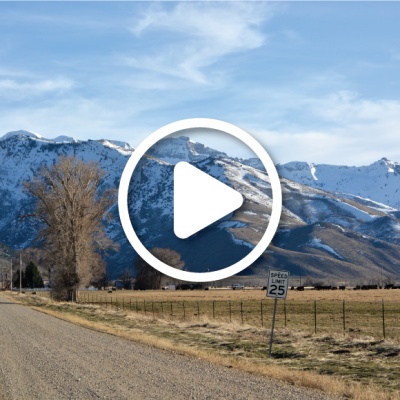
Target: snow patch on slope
317, 243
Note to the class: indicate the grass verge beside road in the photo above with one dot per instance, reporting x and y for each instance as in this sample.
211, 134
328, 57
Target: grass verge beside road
354, 366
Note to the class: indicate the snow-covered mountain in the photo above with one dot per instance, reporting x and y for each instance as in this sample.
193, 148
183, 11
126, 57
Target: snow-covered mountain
369, 226
20, 133
379, 182
182, 148
377, 185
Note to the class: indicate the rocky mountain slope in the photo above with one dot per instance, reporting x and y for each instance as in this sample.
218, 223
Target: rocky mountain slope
327, 233
376, 185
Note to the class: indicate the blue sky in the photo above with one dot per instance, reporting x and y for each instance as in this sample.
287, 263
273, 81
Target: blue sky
312, 81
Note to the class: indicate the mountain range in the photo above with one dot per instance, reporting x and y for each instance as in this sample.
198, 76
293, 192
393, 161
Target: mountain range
338, 223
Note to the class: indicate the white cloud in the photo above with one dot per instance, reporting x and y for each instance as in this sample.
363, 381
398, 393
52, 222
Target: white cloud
352, 131
202, 33
13, 89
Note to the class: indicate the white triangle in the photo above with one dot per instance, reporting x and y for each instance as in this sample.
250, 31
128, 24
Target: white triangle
200, 200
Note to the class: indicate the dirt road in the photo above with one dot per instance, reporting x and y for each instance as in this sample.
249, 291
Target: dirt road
42, 357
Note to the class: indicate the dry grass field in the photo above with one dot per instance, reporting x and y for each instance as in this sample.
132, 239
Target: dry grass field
333, 362
309, 311
255, 294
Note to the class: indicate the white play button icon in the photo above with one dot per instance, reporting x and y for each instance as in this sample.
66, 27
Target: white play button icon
200, 200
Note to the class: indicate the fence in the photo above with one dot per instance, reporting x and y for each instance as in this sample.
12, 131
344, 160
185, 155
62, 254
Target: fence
368, 318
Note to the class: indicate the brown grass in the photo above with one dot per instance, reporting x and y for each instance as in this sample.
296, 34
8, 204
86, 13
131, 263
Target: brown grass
147, 330
252, 294
363, 309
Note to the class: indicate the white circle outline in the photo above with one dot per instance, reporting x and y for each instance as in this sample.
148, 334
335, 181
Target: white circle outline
208, 124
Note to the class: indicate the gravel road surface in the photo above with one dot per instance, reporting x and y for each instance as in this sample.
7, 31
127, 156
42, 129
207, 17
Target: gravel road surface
42, 357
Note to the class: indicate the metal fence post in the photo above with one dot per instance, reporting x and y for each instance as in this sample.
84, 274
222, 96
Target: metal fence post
241, 309
261, 306
344, 316
184, 312
198, 309
130, 303
284, 308
213, 309
162, 308
152, 307
230, 312
315, 315
171, 310
144, 306
383, 318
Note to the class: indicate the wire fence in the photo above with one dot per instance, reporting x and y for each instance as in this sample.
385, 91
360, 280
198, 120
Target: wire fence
368, 318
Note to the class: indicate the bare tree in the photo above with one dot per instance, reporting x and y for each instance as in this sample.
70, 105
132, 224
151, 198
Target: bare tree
389, 280
97, 270
310, 281
68, 214
126, 279
103, 280
148, 277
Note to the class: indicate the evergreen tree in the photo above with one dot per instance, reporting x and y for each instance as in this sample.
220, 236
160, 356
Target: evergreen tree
33, 278
16, 280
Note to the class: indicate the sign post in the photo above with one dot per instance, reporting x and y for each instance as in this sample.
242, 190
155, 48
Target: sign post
277, 288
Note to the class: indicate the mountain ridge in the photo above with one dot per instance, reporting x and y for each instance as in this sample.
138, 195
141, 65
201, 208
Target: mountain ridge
151, 207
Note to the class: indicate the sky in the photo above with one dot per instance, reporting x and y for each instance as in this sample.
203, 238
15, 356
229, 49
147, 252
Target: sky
311, 81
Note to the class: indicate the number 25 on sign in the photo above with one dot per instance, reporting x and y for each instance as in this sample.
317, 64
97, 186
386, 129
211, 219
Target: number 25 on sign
277, 288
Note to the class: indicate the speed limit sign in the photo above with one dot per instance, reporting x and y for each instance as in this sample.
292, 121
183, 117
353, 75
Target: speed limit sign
277, 288
278, 284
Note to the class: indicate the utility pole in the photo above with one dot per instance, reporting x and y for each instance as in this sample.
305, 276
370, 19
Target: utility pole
5, 268
20, 271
